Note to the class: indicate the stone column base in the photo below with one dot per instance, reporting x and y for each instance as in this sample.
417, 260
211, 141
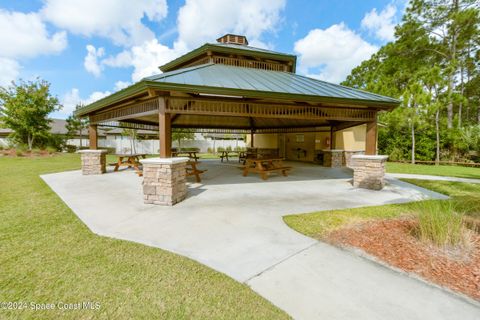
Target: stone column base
93, 161
347, 157
369, 171
333, 158
164, 180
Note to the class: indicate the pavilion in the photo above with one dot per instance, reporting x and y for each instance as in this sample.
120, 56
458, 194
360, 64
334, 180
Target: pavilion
231, 87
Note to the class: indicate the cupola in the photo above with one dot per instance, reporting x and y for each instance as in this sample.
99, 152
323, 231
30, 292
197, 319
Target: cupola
233, 39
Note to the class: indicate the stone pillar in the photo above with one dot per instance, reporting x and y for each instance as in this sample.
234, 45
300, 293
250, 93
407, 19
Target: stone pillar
332, 158
93, 161
347, 157
369, 171
164, 180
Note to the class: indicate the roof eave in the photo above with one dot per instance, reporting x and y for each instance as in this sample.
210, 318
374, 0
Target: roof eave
113, 98
145, 84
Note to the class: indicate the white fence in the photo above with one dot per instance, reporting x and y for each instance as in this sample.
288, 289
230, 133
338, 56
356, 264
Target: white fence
122, 144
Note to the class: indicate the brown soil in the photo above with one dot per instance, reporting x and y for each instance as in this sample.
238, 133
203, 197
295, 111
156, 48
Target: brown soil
393, 242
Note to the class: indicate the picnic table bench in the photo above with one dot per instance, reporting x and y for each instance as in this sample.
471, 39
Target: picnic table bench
228, 153
192, 170
129, 160
191, 154
265, 166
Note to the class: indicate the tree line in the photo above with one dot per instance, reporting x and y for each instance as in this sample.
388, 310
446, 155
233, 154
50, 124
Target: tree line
433, 67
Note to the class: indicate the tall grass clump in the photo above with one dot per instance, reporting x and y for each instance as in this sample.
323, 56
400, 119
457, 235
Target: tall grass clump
441, 224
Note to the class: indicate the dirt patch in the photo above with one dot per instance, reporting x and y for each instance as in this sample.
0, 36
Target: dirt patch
393, 242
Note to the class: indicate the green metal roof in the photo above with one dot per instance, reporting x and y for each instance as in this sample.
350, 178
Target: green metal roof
229, 48
236, 78
247, 82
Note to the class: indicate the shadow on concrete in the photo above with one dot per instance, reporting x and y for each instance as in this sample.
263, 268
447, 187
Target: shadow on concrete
219, 173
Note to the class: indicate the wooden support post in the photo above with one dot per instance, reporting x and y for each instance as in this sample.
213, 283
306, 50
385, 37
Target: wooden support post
165, 130
332, 138
93, 136
251, 138
371, 138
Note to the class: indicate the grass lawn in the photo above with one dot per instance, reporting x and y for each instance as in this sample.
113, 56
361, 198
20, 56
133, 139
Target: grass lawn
442, 170
465, 196
209, 156
49, 256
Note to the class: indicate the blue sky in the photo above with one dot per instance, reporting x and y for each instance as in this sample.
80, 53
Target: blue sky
88, 49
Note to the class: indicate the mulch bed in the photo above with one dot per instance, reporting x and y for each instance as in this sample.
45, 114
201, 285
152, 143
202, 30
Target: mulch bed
13, 153
393, 242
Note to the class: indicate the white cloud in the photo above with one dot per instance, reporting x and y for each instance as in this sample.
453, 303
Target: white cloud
119, 85
72, 98
330, 54
118, 20
382, 24
9, 71
69, 101
121, 60
91, 62
97, 95
145, 59
24, 35
201, 21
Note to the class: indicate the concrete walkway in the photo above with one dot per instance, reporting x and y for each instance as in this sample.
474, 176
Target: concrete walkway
429, 177
234, 224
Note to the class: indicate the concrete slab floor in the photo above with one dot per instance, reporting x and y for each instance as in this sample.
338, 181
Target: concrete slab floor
234, 224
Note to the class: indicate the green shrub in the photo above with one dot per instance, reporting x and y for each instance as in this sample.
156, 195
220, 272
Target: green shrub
1, 148
220, 149
51, 150
439, 223
19, 152
70, 148
229, 148
51, 140
209, 150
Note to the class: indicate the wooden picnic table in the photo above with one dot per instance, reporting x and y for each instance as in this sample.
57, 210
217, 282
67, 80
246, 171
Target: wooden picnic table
265, 166
192, 170
191, 154
228, 153
130, 161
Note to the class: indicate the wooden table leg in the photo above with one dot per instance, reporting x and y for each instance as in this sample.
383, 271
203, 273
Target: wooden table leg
129, 162
119, 163
135, 162
262, 170
246, 169
196, 173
